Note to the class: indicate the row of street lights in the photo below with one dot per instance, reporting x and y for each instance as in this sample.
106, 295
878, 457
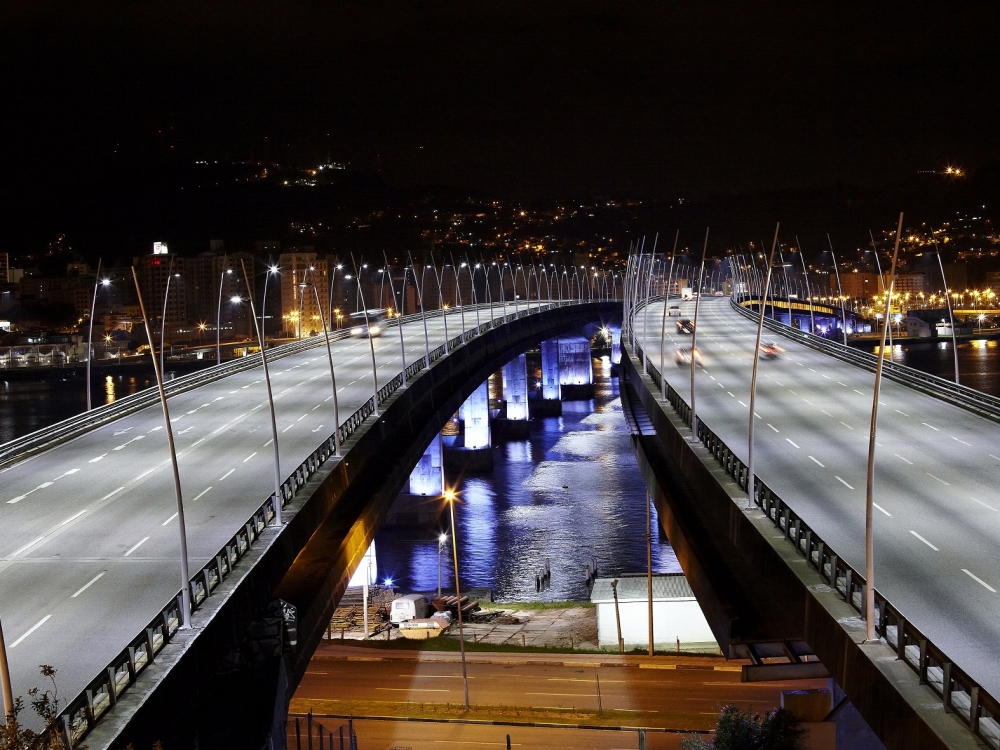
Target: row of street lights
637, 269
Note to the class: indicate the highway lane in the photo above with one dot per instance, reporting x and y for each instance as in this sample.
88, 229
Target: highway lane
89, 550
681, 698
937, 519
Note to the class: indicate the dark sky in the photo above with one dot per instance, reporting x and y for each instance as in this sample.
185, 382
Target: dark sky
513, 98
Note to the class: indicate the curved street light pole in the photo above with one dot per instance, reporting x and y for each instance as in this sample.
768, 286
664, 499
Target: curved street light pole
90, 335
840, 291
163, 320
663, 320
218, 314
869, 608
333, 377
951, 317
185, 575
420, 299
399, 322
270, 398
371, 339
751, 477
694, 337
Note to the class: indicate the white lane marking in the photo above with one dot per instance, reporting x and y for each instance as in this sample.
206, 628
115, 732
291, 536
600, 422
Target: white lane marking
72, 518
88, 584
843, 384
826, 412
316, 407
817, 461
318, 428
137, 545
947, 484
979, 580
19, 498
931, 426
792, 392
95, 460
43, 485
780, 383
202, 494
147, 471
902, 412
876, 505
773, 427
122, 432
219, 398
181, 432
32, 630
197, 442
983, 504
113, 492
843, 482
169, 520
847, 425
28, 546
807, 401
71, 471
857, 391
827, 377
156, 429
302, 417
287, 428
924, 540
903, 459
712, 377
961, 441
226, 474
792, 442
250, 456
268, 443
742, 404
811, 370
720, 385
996, 457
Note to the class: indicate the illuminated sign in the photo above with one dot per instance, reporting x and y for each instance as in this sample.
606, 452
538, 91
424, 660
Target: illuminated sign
160, 248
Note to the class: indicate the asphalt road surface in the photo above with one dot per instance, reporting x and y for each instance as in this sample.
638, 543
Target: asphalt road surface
89, 549
937, 513
683, 698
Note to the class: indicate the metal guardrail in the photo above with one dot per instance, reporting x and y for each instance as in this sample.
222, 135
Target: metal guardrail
959, 693
84, 711
970, 399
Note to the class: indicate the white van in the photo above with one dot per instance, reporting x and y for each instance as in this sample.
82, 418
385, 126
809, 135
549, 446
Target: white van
409, 607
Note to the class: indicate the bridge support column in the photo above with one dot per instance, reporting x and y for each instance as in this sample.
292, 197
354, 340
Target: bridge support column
476, 451
576, 372
616, 345
549, 404
515, 393
421, 505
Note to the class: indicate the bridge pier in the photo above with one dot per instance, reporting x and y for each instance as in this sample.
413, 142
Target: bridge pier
515, 393
576, 371
476, 452
549, 404
420, 506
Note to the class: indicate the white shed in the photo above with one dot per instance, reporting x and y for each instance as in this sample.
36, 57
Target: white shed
676, 614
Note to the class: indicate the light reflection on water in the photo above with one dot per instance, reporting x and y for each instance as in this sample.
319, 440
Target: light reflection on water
510, 521
978, 361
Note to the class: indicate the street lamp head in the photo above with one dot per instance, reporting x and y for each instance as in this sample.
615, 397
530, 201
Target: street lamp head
105, 282
442, 539
273, 269
340, 266
235, 299
449, 495
229, 270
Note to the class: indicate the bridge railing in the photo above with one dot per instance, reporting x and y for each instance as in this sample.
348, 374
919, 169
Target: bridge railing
85, 710
959, 693
968, 398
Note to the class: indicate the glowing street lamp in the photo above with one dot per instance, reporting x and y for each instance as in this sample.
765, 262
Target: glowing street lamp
98, 282
449, 496
218, 315
441, 542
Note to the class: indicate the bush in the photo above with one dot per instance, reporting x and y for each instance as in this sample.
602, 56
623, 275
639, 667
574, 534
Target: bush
14, 736
746, 730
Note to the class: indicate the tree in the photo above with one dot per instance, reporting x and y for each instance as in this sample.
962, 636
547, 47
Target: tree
746, 730
14, 736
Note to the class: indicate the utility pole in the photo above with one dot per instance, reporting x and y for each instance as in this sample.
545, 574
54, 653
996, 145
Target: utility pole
8, 693
870, 633
618, 617
947, 299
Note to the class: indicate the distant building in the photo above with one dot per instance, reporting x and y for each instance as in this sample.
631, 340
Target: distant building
4, 267
957, 275
677, 617
300, 310
857, 285
908, 283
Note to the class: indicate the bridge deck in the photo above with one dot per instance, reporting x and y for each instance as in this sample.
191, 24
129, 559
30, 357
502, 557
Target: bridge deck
937, 522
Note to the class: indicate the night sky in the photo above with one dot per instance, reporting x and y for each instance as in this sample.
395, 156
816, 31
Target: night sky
529, 99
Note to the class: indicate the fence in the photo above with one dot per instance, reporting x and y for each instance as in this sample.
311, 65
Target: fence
306, 733
959, 693
84, 711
